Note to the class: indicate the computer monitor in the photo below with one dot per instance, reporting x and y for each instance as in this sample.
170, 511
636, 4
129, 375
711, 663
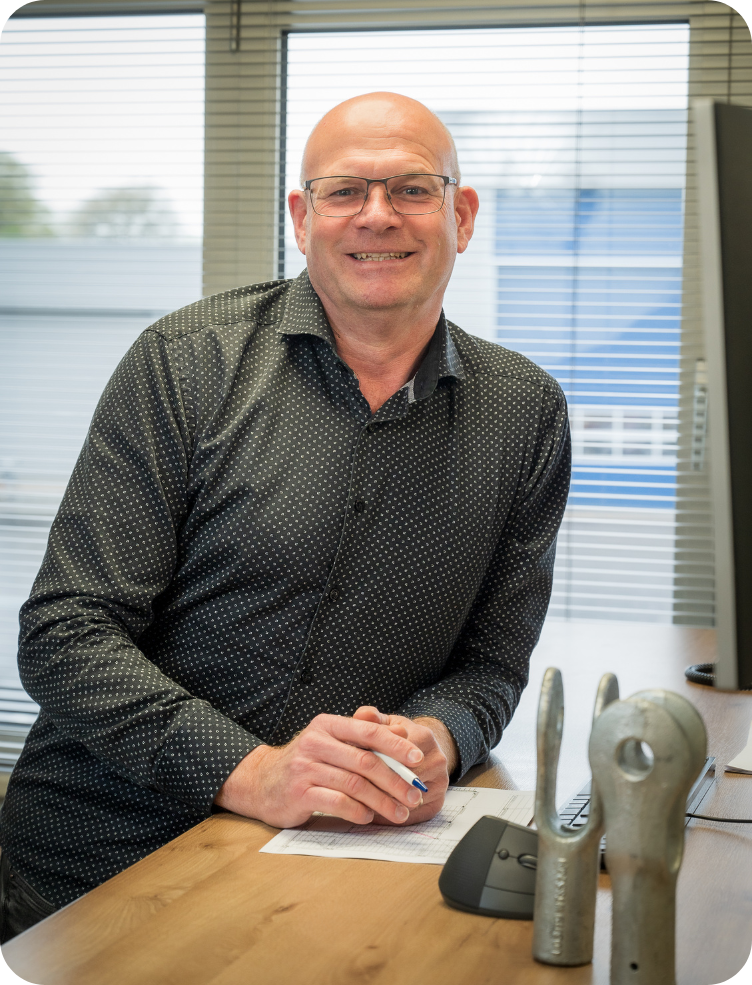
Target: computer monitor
724, 166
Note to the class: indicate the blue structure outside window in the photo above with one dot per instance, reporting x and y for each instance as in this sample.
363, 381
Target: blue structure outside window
589, 286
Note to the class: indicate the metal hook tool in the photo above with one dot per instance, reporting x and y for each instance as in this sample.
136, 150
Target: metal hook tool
568, 860
645, 753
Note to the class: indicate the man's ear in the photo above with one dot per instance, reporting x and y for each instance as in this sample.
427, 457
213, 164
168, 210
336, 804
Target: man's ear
296, 202
466, 204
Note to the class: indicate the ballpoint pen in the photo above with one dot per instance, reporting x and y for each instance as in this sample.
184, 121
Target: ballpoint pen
402, 771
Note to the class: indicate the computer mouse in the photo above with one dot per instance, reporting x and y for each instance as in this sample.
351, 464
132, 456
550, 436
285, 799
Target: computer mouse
492, 870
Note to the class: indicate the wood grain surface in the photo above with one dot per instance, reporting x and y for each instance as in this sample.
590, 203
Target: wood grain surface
208, 909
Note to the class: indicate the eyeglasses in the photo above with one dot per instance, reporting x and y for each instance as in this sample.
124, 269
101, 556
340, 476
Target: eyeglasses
343, 195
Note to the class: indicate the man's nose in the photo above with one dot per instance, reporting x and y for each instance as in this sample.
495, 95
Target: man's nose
377, 211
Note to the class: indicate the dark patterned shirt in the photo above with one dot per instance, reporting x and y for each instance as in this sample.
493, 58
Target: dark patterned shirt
243, 545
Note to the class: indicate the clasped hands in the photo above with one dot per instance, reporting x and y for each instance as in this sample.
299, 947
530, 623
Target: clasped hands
330, 767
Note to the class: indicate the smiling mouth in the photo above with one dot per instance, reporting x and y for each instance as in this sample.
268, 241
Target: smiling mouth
380, 256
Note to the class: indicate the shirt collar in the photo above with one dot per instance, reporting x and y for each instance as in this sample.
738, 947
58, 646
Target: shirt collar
440, 361
304, 315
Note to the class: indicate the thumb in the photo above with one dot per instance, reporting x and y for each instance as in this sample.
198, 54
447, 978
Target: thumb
367, 713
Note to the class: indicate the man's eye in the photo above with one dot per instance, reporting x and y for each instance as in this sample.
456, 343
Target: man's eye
343, 192
411, 191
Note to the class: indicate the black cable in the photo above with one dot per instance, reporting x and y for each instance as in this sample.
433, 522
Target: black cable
701, 674
727, 820
705, 674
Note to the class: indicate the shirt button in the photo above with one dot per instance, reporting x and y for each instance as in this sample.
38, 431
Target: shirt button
359, 506
333, 594
306, 676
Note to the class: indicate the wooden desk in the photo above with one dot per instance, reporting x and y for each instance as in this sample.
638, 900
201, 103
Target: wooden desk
208, 909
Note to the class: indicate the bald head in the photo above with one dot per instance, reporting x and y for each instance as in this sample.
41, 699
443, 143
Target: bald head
379, 259
378, 124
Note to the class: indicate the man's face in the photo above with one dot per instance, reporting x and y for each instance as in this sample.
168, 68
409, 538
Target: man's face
428, 244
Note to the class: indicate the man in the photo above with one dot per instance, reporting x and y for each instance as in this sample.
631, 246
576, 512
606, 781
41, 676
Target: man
311, 520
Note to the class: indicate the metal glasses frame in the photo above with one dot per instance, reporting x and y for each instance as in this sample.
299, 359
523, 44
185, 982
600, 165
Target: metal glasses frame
380, 181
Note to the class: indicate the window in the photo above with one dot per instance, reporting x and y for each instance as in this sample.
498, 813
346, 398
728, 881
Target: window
576, 137
101, 207
576, 141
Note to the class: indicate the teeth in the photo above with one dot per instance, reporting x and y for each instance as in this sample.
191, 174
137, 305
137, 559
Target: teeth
379, 256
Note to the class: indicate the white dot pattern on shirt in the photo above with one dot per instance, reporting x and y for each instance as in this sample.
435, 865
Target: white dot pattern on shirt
242, 546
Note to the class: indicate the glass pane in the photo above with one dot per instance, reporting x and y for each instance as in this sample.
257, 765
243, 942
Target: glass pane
576, 142
101, 205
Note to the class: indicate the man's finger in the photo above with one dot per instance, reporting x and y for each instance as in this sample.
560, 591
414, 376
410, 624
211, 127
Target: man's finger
356, 787
329, 801
400, 730
365, 763
422, 813
371, 735
367, 713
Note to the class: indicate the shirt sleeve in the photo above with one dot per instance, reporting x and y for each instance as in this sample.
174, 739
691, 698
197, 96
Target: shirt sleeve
488, 667
112, 551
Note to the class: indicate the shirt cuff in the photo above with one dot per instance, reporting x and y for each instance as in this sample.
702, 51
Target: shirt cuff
204, 747
472, 746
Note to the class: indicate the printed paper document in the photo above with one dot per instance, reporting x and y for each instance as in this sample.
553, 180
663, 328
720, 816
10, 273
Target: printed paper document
743, 762
430, 841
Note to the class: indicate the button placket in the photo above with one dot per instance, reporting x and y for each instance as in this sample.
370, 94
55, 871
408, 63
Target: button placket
332, 591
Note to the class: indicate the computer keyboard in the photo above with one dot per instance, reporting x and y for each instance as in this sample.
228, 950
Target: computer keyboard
577, 810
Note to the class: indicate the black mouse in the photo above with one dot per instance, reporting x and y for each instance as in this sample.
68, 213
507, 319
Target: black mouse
492, 870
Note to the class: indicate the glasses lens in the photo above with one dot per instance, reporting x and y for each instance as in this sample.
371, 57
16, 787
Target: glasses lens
338, 196
416, 194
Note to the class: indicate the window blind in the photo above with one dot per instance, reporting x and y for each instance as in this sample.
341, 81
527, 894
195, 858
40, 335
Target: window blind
577, 258
583, 255
101, 215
